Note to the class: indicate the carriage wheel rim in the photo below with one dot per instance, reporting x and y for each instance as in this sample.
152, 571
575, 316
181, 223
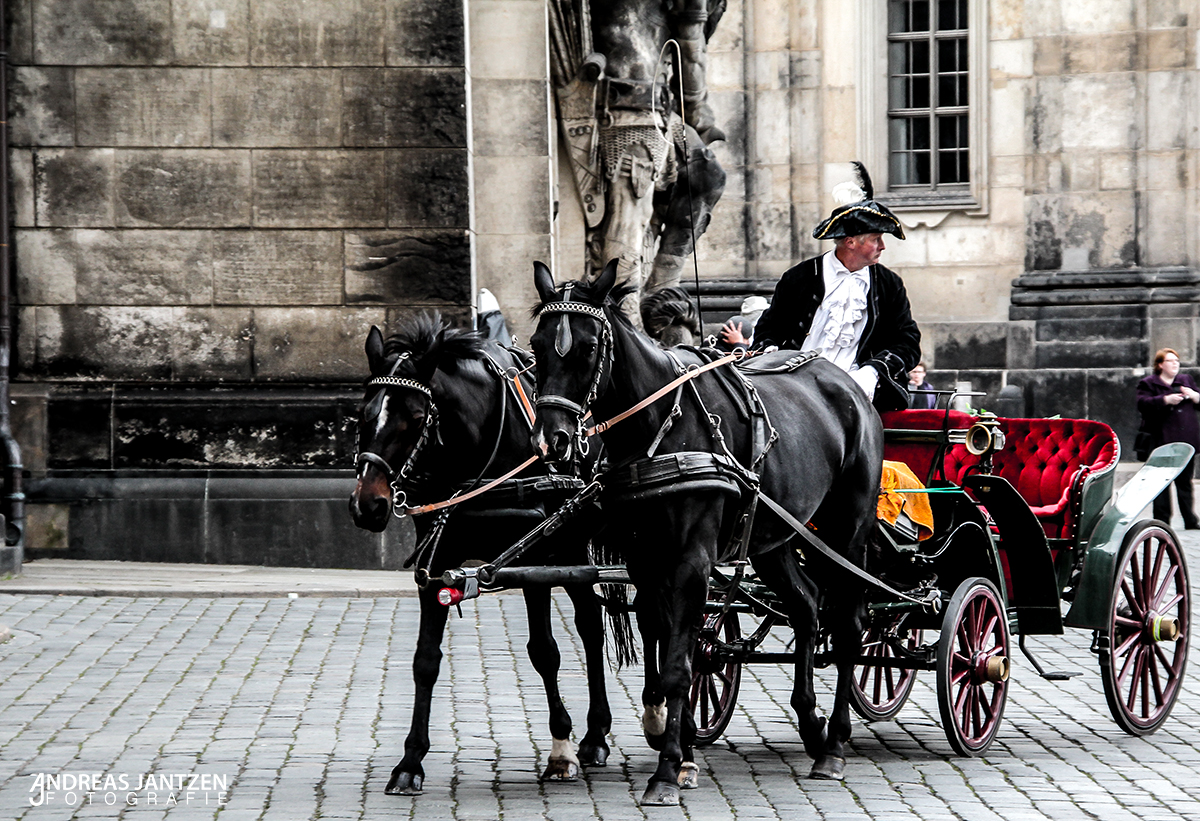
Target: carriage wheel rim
882, 688
714, 690
976, 699
1146, 667
971, 700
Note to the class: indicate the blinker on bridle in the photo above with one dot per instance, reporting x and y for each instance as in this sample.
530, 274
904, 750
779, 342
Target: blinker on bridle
397, 478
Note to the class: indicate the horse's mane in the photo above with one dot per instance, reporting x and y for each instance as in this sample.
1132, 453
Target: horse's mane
425, 333
669, 313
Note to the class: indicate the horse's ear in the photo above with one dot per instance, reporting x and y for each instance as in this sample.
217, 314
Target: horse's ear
607, 279
375, 350
544, 281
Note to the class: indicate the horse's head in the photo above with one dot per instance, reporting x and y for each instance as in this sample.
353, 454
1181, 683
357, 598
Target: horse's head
574, 347
398, 419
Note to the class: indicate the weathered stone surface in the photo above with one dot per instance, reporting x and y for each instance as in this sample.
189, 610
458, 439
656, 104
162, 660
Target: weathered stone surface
504, 265
429, 189
320, 189
20, 32
322, 344
47, 262
277, 268
79, 429
968, 345
407, 108
1102, 354
74, 187
512, 195
105, 267
409, 267
213, 343
514, 47
186, 188
108, 342
266, 428
1054, 391
41, 105
425, 33
211, 32
143, 107
1089, 330
84, 32
284, 33
21, 180
277, 108
28, 417
509, 118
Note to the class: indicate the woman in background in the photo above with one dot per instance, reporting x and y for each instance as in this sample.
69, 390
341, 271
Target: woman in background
1167, 401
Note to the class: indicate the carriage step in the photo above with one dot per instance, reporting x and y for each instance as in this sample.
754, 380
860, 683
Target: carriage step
1048, 675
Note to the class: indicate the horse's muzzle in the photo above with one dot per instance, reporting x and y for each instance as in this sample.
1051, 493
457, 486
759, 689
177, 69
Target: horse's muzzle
555, 448
369, 507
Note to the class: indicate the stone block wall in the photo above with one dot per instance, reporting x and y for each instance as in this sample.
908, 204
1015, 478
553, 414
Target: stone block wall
213, 202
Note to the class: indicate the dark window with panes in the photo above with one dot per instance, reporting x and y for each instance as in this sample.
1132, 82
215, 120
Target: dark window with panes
927, 95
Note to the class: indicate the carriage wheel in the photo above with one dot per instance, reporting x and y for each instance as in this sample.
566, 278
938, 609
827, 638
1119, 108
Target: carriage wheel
1143, 661
878, 690
715, 683
972, 666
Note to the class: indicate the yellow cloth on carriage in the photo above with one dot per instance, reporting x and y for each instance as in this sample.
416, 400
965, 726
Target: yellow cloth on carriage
892, 505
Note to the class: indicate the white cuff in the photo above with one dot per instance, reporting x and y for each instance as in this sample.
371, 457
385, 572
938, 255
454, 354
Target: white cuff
866, 378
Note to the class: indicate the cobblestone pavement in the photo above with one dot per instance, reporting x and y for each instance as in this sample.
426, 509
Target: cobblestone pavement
288, 709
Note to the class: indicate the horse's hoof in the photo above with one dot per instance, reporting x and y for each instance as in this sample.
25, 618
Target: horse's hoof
829, 768
561, 769
593, 755
689, 775
404, 783
661, 794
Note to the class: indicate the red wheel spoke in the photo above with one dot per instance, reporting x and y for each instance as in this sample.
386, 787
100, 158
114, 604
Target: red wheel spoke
1155, 601
1155, 679
1135, 604
1138, 671
1159, 555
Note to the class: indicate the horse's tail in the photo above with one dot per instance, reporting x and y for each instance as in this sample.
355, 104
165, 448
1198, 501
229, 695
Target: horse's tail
615, 598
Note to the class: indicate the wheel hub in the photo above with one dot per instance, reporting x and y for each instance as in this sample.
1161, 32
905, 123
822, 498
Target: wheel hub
1160, 628
987, 669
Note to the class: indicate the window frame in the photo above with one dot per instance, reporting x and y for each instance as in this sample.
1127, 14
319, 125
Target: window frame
874, 122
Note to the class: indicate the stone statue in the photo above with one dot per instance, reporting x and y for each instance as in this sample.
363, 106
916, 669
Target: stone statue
633, 110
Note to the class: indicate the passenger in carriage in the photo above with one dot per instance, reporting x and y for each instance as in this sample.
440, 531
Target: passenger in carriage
845, 305
1167, 401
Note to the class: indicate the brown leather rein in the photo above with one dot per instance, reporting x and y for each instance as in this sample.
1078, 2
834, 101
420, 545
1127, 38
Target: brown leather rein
688, 375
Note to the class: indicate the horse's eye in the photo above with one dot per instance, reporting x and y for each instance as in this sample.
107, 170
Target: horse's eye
589, 348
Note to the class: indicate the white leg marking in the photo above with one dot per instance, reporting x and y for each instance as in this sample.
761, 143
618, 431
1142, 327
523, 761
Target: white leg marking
654, 720
563, 750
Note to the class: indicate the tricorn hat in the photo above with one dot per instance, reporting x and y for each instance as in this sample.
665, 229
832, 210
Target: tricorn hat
859, 213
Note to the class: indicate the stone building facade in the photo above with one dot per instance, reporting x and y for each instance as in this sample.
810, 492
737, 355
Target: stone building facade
214, 200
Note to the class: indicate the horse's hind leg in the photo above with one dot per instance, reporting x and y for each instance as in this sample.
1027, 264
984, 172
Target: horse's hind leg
798, 598
408, 777
543, 652
654, 703
593, 749
846, 632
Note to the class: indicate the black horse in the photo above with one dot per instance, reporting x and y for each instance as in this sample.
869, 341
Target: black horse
823, 468
440, 415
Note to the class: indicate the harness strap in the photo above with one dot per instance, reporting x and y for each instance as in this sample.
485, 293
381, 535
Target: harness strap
835, 557
663, 391
415, 511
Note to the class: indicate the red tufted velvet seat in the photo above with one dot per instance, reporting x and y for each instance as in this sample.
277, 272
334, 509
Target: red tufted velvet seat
1044, 459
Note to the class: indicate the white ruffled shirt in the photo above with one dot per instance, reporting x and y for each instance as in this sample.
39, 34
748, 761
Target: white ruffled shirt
838, 325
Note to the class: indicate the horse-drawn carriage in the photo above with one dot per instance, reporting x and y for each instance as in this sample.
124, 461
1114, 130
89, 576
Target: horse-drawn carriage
1023, 519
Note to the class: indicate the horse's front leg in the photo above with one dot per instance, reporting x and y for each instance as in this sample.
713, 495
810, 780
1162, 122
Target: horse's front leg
593, 749
408, 777
680, 619
543, 652
654, 703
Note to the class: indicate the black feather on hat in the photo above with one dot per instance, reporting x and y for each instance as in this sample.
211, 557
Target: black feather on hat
860, 213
